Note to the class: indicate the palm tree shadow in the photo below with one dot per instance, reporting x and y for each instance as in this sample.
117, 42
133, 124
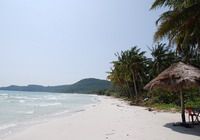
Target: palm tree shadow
194, 130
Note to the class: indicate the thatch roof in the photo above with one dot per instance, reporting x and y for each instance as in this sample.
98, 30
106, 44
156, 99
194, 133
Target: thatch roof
178, 76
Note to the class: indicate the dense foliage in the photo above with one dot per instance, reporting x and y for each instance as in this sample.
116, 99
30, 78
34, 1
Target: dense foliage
180, 26
128, 72
133, 70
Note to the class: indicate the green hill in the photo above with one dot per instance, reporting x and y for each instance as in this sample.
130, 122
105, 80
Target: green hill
89, 85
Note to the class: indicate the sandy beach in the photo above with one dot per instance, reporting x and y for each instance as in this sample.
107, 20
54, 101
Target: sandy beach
111, 119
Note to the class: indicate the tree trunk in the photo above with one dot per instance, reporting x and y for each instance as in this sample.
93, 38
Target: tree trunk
135, 88
182, 107
129, 90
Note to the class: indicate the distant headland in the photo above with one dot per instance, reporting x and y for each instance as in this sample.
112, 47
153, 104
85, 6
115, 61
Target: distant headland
89, 85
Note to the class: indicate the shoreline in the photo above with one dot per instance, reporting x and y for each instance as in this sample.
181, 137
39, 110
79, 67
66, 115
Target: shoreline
110, 118
11, 129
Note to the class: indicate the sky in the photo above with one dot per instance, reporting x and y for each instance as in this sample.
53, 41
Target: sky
55, 42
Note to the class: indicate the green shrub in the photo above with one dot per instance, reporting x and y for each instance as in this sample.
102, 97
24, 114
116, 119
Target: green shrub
169, 107
192, 98
163, 97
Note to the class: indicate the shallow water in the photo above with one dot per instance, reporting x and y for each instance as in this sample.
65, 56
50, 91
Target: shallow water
18, 108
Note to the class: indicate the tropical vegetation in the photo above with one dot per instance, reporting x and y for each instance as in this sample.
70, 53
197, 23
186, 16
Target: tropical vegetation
179, 28
180, 25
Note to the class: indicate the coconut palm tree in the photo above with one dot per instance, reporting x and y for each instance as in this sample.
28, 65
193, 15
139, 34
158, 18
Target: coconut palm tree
180, 24
163, 57
129, 71
191, 55
119, 75
137, 69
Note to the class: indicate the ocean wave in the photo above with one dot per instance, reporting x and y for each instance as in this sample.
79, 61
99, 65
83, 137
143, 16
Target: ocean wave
51, 98
61, 113
49, 104
22, 101
25, 98
29, 112
3, 96
3, 127
56, 97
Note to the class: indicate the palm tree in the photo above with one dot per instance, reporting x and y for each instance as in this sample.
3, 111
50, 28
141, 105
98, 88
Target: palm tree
163, 57
180, 24
128, 71
191, 55
119, 75
137, 67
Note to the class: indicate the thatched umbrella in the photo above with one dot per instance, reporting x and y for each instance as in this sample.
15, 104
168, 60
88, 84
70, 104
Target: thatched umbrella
177, 78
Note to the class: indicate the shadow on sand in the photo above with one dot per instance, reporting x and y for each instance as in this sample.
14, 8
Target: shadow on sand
195, 130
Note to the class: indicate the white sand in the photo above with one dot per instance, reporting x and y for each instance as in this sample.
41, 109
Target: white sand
111, 119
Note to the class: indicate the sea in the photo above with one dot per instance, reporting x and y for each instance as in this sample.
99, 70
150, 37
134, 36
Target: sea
19, 109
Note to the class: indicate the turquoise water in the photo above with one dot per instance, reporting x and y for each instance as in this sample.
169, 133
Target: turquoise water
19, 108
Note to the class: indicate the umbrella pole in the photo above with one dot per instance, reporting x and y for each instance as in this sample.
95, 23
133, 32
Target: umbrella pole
182, 107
